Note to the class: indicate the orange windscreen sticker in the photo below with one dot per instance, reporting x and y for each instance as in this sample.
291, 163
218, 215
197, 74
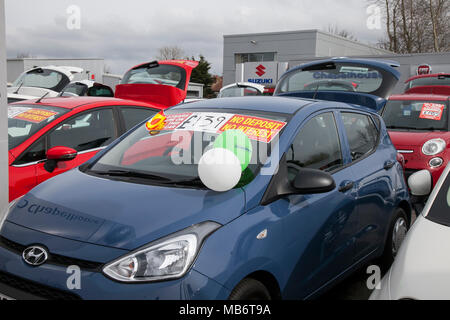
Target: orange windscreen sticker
432, 111
35, 115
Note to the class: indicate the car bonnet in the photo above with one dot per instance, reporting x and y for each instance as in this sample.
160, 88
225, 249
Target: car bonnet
119, 214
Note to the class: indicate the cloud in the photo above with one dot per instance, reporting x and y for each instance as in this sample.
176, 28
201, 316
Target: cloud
127, 33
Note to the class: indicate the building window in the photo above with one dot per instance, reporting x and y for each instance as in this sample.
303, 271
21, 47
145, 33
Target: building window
254, 57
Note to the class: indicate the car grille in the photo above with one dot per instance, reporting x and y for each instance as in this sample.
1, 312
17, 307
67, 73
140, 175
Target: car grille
35, 289
53, 258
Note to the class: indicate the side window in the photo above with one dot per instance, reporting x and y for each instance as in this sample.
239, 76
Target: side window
362, 134
317, 146
133, 116
88, 131
37, 152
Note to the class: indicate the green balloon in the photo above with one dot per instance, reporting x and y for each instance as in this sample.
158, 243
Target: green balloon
237, 142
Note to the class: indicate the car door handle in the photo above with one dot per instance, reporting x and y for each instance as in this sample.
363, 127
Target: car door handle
346, 186
388, 165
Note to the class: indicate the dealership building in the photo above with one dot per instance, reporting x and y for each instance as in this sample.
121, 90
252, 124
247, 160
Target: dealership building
264, 57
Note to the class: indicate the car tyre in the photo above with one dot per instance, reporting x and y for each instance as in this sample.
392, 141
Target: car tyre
250, 289
397, 232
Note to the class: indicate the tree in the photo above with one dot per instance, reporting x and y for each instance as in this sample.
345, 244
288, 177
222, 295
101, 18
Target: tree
414, 26
333, 29
23, 55
201, 75
170, 53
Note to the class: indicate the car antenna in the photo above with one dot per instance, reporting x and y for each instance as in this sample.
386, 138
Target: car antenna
40, 99
20, 87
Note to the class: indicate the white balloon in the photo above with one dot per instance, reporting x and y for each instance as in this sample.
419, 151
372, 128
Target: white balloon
219, 169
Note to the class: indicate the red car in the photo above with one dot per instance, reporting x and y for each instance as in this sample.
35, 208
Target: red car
50, 136
419, 127
54, 135
437, 83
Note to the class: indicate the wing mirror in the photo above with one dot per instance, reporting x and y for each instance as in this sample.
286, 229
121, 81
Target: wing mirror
310, 181
58, 154
307, 181
420, 183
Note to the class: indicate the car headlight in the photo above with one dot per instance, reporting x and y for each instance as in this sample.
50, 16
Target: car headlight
433, 147
168, 258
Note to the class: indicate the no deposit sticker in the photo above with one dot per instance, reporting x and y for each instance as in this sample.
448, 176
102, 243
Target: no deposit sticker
432, 111
33, 115
259, 129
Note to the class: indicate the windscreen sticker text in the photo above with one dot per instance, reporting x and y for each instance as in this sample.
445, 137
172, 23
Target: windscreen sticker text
35, 115
432, 111
204, 122
259, 129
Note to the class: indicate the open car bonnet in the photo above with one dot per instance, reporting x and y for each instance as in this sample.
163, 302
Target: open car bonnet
164, 83
356, 81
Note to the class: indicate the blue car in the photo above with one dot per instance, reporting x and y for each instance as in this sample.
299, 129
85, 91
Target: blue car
316, 192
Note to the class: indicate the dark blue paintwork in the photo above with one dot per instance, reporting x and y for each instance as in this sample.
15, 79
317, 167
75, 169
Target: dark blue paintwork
312, 241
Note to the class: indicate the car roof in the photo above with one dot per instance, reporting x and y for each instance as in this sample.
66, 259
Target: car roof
416, 96
74, 102
433, 75
286, 105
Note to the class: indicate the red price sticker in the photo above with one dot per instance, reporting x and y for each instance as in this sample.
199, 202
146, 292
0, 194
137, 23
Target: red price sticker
432, 111
259, 129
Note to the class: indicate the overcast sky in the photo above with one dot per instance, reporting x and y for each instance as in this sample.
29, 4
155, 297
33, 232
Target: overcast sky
126, 33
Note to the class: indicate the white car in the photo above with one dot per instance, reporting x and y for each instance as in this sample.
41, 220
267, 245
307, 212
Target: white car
241, 89
421, 270
37, 82
86, 88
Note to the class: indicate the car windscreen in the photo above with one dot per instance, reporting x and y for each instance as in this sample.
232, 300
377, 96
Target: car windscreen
440, 209
332, 77
171, 155
75, 89
25, 120
169, 75
43, 78
239, 91
99, 90
416, 115
443, 80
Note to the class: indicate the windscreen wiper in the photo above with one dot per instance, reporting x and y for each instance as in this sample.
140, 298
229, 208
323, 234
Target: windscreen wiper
188, 182
131, 174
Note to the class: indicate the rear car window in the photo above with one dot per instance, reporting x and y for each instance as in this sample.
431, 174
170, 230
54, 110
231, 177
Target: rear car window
336, 77
134, 116
362, 134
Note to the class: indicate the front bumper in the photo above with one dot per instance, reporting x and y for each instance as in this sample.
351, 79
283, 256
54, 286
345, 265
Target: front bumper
18, 280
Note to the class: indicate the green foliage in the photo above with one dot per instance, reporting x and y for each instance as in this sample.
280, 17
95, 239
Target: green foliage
201, 75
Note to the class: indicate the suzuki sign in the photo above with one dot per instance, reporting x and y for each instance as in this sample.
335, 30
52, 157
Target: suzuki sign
263, 73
